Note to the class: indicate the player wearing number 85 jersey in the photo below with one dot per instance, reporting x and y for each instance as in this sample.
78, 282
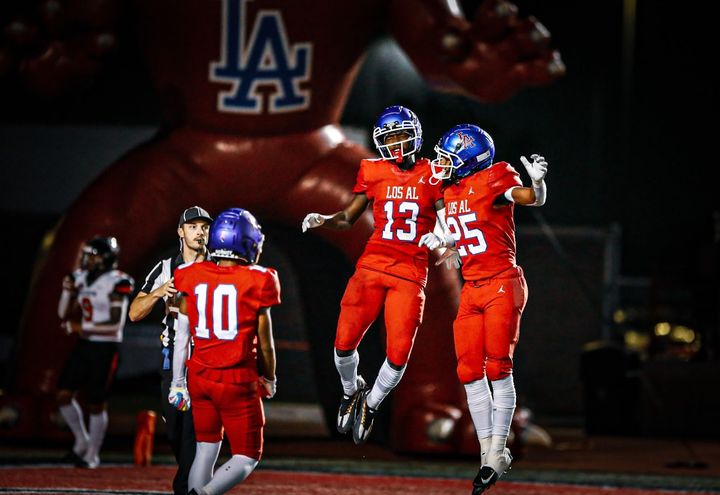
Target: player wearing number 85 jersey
479, 200
392, 270
225, 304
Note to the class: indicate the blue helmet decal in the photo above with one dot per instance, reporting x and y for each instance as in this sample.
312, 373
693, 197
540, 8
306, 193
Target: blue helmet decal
236, 234
397, 119
462, 151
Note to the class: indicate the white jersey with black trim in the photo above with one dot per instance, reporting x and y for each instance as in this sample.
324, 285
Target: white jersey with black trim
94, 299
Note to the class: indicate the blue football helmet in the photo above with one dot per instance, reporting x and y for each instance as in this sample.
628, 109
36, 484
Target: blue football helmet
466, 149
393, 119
236, 234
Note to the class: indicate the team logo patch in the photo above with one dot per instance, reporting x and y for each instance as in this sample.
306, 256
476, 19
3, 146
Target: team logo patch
465, 142
262, 58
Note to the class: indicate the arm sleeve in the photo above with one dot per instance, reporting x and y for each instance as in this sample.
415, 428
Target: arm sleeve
180, 350
270, 293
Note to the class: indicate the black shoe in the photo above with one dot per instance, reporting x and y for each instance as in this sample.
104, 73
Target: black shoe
364, 418
192, 492
485, 478
348, 406
498, 463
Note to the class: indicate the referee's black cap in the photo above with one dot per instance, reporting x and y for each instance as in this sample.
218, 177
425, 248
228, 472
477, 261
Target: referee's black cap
194, 213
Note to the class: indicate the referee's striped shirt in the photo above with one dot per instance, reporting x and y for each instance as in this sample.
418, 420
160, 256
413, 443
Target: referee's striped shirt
161, 273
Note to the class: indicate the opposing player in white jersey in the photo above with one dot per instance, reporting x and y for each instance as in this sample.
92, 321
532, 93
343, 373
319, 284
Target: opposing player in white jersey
93, 305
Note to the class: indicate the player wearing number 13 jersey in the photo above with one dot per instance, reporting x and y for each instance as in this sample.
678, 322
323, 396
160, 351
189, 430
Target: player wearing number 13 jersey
392, 270
225, 305
479, 203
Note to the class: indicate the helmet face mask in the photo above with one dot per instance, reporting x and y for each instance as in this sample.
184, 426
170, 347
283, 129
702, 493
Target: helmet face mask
445, 164
462, 151
393, 120
236, 235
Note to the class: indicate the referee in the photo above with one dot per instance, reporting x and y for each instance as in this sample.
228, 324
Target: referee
192, 230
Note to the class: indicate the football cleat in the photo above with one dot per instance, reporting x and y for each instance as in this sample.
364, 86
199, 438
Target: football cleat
91, 463
348, 406
364, 418
497, 465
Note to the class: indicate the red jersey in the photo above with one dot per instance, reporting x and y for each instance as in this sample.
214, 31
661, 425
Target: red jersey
484, 234
222, 308
403, 210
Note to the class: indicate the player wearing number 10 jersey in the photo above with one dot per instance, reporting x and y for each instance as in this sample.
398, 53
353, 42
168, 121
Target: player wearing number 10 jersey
392, 270
227, 303
479, 202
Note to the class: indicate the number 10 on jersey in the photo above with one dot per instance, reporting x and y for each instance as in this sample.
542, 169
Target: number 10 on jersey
223, 301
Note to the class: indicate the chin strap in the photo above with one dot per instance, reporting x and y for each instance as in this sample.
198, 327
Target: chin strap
399, 155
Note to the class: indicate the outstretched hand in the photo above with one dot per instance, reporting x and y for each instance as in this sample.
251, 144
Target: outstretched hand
313, 220
537, 169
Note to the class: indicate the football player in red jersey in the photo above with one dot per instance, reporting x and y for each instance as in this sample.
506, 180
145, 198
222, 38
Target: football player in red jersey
100, 295
227, 306
392, 270
479, 198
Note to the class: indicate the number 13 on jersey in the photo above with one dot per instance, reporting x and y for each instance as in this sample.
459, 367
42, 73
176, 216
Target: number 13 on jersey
409, 230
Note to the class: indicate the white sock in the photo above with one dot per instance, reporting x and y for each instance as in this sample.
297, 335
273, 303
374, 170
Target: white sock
73, 416
98, 426
347, 367
387, 379
230, 474
480, 404
201, 472
504, 406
